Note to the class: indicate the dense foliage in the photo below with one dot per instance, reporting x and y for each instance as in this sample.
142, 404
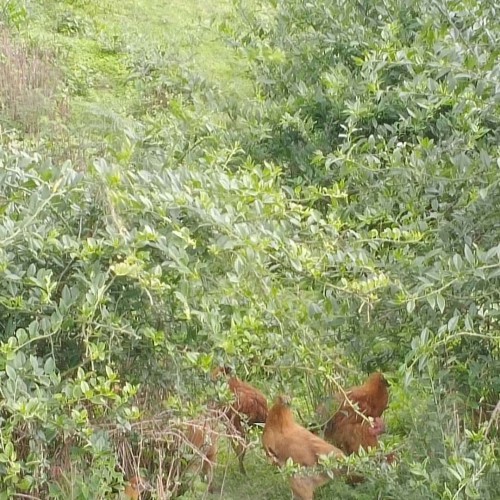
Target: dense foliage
390, 112
343, 218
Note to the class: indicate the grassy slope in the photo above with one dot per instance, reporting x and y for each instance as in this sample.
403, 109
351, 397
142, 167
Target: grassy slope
185, 28
94, 42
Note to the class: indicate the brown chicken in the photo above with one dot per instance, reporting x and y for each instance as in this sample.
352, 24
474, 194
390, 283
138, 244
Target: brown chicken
347, 428
284, 439
351, 436
135, 487
249, 408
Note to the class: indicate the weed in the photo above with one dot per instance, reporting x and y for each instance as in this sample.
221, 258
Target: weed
71, 24
28, 84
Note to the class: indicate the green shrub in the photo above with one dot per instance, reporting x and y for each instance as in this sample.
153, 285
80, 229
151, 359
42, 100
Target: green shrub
341, 221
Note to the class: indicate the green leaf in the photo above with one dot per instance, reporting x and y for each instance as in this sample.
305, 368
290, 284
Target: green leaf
431, 299
11, 372
452, 323
296, 264
49, 366
440, 302
457, 261
469, 255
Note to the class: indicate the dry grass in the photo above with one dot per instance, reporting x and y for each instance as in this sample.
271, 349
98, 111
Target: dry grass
28, 85
174, 452
171, 454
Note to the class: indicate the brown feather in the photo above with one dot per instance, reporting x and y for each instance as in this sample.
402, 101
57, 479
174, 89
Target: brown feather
371, 400
351, 436
347, 429
249, 401
249, 406
284, 439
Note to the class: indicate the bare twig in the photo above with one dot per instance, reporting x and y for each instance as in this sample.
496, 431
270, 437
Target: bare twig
495, 414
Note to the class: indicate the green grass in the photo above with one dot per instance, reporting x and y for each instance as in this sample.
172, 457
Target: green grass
95, 41
263, 481
186, 27
98, 48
